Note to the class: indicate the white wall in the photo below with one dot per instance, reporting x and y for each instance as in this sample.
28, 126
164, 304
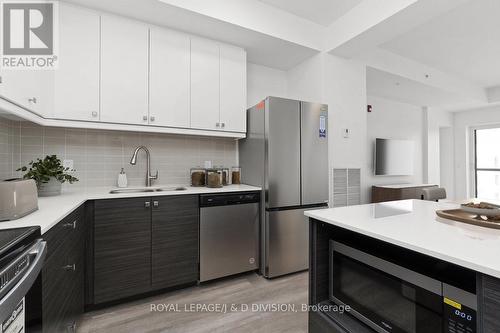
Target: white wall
340, 83
345, 94
434, 120
463, 121
264, 81
394, 120
306, 81
446, 160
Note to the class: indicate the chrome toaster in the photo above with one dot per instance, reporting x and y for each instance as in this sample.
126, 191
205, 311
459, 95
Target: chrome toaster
18, 198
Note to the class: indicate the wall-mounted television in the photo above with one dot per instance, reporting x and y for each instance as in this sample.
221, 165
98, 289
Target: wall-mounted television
394, 157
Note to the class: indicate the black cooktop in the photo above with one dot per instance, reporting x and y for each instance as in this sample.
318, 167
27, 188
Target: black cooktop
14, 240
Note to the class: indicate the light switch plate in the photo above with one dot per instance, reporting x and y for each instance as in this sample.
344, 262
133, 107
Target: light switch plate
68, 164
346, 132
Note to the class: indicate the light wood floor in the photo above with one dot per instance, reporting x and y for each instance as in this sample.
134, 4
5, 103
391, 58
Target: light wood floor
137, 316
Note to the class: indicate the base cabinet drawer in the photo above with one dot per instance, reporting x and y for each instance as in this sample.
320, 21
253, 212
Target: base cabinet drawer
63, 295
62, 275
60, 236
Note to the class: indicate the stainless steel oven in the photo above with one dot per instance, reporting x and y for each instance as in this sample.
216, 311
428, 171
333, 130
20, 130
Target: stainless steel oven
22, 253
392, 298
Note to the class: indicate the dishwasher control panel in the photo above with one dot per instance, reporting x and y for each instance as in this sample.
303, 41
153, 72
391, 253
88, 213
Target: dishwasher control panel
210, 200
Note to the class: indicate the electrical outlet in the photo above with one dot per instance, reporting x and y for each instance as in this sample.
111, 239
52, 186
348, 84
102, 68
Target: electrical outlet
68, 164
346, 132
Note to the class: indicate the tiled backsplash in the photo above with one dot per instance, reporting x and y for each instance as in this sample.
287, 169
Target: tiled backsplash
99, 155
6, 147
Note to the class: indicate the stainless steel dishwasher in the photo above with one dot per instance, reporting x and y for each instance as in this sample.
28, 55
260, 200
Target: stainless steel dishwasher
229, 229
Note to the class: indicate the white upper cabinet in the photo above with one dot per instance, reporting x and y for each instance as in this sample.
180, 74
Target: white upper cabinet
124, 71
169, 77
233, 93
30, 89
205, 76
115, 70
76, 94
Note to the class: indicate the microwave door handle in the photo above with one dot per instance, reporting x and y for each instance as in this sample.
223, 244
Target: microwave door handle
16, 294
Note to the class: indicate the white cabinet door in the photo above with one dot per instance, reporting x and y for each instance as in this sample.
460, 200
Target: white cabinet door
233, 91
124, 71
204, 84
30, 89
169, 78
76, 95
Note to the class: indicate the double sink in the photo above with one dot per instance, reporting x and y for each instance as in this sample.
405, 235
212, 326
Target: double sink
147, 189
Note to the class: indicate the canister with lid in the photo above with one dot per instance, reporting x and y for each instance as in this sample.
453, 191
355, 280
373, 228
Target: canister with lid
198, 177
236, 175
214, 177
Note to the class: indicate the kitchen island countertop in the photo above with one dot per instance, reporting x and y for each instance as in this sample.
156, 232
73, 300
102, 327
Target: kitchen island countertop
413, 224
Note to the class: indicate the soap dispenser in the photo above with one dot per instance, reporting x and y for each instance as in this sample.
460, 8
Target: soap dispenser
122, 179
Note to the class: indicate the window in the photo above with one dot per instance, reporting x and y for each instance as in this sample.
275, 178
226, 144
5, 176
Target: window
487, 163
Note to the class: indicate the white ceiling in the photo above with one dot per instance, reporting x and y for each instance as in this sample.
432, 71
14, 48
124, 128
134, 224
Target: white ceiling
394, 87
464, 41
323, 12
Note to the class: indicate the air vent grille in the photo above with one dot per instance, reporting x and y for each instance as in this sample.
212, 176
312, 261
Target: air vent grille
346, 187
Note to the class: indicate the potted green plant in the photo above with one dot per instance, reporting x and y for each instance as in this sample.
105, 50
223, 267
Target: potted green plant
49, 174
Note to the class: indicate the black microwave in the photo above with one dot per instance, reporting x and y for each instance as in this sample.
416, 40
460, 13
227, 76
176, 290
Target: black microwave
391, 298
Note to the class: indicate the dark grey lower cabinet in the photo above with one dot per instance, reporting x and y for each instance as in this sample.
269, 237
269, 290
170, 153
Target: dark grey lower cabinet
175, 241
144, 244
122, 248
63, 275
489, 299
320, 323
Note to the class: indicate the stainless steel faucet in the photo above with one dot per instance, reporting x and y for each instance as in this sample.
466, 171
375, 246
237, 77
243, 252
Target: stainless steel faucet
133, 161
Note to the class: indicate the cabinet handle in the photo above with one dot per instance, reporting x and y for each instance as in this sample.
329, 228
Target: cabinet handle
223, 125
70, 225
72, 327
152, 118
94, 114
32, 100
217, 125
147, 204
71, 267
145, 118
156, 204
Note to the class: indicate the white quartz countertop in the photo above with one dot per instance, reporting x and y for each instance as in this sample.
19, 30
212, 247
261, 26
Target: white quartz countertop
413, 224
397, 186
51, 210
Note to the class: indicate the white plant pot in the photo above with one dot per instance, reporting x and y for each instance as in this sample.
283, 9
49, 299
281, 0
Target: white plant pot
52, 188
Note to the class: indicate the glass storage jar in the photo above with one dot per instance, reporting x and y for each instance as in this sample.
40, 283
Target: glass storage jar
225, 176
198, 176
236, 175
214, 178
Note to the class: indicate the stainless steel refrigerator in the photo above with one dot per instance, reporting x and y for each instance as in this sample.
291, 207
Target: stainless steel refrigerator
286, 153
